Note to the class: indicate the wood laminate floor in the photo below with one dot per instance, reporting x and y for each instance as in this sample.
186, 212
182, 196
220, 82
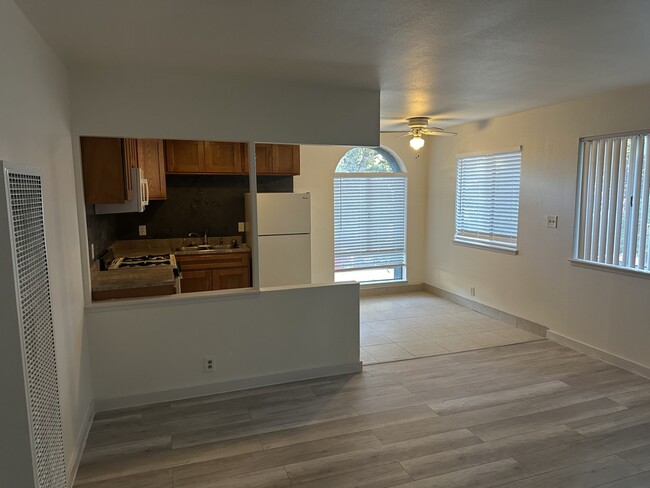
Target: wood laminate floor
526, 415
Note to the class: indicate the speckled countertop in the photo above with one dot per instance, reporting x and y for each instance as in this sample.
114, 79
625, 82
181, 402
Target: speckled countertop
127, 278
140, 247
121, 279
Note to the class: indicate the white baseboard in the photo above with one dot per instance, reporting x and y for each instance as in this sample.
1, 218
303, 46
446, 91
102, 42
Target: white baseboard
594, 352
80, 444
515, 321
225, 386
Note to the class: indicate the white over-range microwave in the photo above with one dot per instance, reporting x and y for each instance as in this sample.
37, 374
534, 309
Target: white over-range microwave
137, 204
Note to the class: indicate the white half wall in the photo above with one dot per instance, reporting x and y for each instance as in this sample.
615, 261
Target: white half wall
604, 310
35, 131
152, 350
317, 166
224, 108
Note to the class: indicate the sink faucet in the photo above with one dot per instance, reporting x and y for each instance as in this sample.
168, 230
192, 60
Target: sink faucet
204, 238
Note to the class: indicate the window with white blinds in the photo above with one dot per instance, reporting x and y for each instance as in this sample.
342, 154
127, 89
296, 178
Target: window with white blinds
369, 221
487, 200
369, 216
613, 201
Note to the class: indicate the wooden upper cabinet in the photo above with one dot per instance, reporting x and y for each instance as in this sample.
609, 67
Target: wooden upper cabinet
185, 156
205, 157
231, 158
151, 159
224, 157
276, 159
106, 173
263, 159
285, 159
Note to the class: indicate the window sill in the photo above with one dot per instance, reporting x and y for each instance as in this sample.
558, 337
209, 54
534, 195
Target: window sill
612, 269
487, 247
383, 283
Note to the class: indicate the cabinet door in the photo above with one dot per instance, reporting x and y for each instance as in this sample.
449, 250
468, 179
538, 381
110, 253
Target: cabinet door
185, 156
104, 170
224, 157
228, 278
263, 158
285, 159
151, 159
196, 280
130, 162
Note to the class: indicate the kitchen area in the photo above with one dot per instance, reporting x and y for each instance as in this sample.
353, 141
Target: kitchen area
167, 217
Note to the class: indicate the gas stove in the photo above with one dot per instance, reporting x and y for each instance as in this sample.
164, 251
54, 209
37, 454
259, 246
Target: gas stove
151, 261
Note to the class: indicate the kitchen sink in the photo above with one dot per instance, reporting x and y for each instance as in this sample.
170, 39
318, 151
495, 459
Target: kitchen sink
203, 247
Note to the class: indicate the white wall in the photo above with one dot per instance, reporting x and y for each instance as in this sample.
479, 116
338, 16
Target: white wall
602, 309
180, 106
152, 350
34, 131
317, 165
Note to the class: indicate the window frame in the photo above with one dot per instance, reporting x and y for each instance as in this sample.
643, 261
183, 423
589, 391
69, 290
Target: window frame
478, 241
402, 174
580, 196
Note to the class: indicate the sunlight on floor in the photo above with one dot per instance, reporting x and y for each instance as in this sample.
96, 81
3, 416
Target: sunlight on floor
411, 325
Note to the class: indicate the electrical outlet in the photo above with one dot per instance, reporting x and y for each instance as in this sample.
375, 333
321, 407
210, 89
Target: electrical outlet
142, 230
208, 364
551, 221
241, 227
472, 291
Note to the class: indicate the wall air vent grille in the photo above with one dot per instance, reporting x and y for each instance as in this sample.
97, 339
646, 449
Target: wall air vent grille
30, 258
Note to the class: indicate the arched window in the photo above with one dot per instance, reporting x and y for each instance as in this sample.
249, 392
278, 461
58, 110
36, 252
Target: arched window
369, 216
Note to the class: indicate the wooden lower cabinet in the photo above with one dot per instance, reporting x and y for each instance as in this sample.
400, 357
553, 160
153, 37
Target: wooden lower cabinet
228, 278
197, 280
214, 271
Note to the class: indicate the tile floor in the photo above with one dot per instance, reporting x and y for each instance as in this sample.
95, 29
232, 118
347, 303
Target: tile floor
413, 325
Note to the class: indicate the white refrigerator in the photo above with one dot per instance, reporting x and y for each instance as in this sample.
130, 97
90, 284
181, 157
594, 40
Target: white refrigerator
284, 228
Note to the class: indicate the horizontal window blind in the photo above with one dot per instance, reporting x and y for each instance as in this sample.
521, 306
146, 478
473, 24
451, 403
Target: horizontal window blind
612, 210
369, 221
487, 199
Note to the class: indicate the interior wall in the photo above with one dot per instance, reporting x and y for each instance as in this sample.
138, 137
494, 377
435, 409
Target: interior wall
35, 132
317, 166
255, 338
605, 310
164, 105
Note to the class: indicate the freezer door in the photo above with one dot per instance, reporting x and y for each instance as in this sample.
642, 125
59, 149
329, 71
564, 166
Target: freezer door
285, 260
283, 213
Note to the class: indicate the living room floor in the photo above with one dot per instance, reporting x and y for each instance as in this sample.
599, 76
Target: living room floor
521, 416
412, 325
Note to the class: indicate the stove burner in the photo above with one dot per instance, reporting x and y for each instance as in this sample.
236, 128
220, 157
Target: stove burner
162, 257
144, 261
145, 264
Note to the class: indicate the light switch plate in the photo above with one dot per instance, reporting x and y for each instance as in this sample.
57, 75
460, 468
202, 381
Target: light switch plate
551, 221
241, 227
142, 230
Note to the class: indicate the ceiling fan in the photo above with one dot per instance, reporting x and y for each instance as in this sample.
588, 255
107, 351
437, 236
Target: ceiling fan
418, 127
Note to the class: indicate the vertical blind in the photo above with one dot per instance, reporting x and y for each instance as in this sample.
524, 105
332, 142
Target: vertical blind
487, 199
612, 218
369, 221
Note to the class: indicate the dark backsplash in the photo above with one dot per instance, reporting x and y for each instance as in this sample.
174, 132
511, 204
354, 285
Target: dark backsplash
102, 230
196, 203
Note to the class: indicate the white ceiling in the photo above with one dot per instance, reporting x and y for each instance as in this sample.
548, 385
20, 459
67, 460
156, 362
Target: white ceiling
454, 60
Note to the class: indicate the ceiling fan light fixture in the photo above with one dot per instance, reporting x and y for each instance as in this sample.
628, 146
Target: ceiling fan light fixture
416, 142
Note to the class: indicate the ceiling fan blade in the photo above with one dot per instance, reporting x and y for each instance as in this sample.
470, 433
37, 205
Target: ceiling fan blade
443, 133
393, 131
